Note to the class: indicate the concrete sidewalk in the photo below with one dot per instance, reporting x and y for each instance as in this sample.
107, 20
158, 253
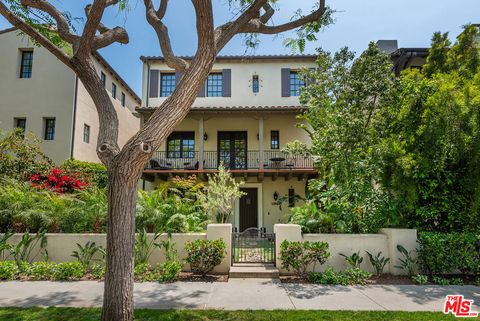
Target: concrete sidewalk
238, 294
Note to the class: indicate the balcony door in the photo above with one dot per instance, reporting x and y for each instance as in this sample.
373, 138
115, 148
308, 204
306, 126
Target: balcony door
232, 149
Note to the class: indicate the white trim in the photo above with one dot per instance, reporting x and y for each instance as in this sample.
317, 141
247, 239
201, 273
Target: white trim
259, 187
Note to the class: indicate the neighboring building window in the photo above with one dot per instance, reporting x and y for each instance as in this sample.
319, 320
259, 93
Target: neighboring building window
103, 78
296, 83
21, 123
181, 145
123, 99
167, 84
49, 129
26, 64
214, 85
274, 139
255, 84
114, 90
86, 133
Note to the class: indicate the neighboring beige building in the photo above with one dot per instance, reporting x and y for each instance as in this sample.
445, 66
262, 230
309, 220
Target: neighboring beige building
243, 117
41, 95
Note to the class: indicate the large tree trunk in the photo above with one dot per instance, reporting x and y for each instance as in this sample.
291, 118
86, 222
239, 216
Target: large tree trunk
118, 288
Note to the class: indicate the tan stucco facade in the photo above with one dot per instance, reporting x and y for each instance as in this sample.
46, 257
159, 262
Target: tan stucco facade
241, 112
53, 91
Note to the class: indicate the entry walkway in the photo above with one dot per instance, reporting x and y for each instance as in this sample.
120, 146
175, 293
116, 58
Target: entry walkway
238, 294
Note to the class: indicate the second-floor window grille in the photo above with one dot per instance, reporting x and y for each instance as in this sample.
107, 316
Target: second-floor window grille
181, 145
86, 133
296, 83
274, 139
49, 129
255, 84
123, 99
214, 85
26, 64
103, 78
21, 123
167, 84
114, 90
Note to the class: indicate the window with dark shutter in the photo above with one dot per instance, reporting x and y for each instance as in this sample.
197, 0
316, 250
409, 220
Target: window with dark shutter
227, 83
285, 82
168, 82
153, 83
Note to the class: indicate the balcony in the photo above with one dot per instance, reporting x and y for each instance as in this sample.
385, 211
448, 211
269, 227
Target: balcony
274, 163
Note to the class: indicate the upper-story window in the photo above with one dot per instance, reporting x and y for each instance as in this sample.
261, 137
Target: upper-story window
49, 129
297, 82
123, 99
167, 84
86, 133
214, 85
181, 145
255, 84
26, 64
274, 139
103, 78
21, 123
114, 90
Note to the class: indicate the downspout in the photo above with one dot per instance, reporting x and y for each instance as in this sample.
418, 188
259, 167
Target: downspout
74, 118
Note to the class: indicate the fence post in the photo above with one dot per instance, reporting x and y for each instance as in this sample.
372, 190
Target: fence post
289, 232
224, 232
405, 237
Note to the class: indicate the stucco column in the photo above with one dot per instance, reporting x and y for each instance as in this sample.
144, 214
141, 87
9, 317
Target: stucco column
223, 232
201, 132
260, 143
404, 237
289, 232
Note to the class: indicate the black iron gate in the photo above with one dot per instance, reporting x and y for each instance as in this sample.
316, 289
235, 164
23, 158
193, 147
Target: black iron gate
253, 245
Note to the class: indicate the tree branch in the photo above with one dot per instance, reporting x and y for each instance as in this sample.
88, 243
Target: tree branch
257, 26
269, 12
154, 18
34, 34
63, 28
94, 16
205, 29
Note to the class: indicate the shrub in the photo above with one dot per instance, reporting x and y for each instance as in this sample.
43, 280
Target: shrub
95, 173
351, 276
446, 253
378, 262
407, 263
143, 272
298, 256
8, 270
203, 255
68, 271
57, 181
41, 270
420, 279
85, 254
354, 260
97, 271
169, 271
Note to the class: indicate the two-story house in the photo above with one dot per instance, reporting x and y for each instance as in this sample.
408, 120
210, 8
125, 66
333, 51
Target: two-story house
243, 117
41, 95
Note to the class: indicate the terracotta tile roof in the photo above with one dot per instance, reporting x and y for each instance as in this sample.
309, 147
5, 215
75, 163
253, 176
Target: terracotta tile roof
236, 108
241, 57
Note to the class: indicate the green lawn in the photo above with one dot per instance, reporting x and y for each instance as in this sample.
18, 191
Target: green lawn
71, 314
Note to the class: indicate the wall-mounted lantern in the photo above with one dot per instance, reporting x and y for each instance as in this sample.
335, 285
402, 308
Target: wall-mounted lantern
205, 136
275, 196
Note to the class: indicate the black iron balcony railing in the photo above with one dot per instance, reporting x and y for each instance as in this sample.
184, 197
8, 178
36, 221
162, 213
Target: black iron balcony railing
244, 160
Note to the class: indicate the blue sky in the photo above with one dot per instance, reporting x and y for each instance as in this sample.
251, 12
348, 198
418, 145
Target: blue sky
411, 22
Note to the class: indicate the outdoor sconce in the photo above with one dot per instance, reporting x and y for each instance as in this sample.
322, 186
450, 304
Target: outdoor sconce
275, 196
258, 136
205, 136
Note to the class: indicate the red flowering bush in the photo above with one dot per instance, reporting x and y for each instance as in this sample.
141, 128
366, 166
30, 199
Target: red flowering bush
57, 181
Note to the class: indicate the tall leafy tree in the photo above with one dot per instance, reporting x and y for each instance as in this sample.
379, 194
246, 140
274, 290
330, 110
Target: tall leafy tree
51, 28
346, 100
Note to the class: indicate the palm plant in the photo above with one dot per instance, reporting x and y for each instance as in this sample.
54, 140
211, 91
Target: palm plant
144, 247
85, 254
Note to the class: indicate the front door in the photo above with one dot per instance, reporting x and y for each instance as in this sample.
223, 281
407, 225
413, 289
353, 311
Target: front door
232, 149
248, 208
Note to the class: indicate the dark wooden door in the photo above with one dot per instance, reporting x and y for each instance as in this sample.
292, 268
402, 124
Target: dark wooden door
248, 208
232, 149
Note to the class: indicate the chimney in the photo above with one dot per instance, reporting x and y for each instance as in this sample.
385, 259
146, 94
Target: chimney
388, 46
